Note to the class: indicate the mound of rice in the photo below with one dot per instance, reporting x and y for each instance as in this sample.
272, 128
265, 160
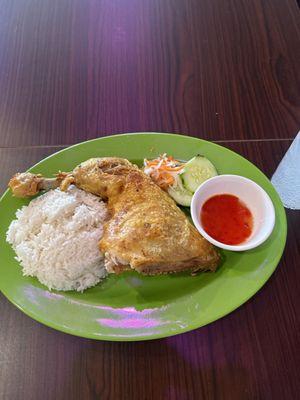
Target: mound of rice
56, 239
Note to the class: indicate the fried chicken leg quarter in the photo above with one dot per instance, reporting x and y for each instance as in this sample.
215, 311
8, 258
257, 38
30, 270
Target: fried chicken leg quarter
146, 231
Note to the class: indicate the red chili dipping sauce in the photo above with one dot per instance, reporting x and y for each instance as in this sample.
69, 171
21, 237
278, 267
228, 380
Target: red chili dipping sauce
226, 219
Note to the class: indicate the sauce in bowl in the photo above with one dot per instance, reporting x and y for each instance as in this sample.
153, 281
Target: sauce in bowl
226, 219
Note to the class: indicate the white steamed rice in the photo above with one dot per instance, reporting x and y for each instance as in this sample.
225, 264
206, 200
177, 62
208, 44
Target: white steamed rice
56, 239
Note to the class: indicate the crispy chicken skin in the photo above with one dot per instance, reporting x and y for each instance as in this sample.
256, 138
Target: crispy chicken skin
150, 233
146, 231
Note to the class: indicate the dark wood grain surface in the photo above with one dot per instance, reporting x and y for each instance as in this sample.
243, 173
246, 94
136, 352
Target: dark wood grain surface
73, 69
227, 71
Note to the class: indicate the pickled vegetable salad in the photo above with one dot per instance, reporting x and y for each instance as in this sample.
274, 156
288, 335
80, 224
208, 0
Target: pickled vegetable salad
179, 179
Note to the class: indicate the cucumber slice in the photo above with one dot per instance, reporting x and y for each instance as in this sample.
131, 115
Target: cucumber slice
196, 171
180, 194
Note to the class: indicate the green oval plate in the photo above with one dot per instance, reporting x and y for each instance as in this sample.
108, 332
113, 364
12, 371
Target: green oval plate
134, 307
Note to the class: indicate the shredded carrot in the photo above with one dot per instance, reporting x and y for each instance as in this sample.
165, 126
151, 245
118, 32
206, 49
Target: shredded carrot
163, 170
173, 168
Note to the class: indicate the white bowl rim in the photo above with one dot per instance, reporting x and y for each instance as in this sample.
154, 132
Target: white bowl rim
239, 247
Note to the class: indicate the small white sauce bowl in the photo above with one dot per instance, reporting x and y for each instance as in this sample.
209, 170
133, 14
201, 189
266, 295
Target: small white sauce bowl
249, 192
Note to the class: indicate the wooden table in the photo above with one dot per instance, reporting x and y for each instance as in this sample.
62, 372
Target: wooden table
226, 71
